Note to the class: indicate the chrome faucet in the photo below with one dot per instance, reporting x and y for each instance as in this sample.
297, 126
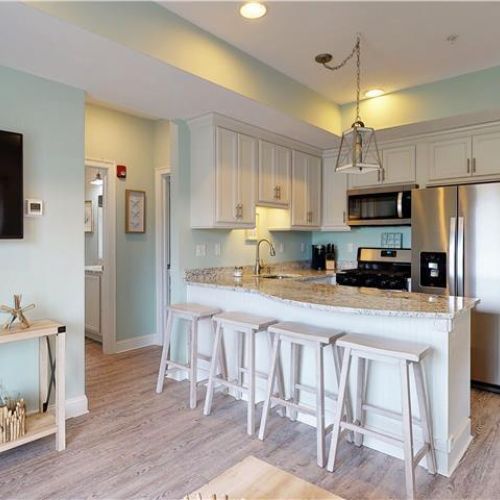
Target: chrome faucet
258, 263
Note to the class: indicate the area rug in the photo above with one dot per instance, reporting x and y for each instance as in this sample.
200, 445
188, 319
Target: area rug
252, 478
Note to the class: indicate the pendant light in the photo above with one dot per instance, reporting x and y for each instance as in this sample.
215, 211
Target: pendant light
358, 151
97, 180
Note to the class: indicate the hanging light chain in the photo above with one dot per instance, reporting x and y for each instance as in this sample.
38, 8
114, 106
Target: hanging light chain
356, 51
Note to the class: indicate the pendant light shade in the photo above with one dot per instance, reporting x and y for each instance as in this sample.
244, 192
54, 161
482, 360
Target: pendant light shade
358, 152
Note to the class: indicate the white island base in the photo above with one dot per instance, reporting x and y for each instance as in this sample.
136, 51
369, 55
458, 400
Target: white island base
446, 368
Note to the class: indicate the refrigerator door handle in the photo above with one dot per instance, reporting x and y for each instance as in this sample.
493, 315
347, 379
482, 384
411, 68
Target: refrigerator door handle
452, 257
460, 257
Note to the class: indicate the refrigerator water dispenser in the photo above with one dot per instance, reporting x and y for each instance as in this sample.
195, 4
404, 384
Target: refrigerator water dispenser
433, 269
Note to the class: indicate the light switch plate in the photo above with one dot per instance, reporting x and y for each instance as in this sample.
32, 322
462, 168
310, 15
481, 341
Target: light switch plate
33, 208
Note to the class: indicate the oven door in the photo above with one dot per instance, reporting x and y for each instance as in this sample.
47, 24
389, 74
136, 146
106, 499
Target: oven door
379, 207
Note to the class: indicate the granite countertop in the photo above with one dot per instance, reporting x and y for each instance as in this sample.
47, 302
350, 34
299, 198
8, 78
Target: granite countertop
358, 300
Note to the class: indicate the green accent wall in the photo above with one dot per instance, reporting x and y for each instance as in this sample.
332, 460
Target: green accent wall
470, 93
129, 140
47, 266
150, 29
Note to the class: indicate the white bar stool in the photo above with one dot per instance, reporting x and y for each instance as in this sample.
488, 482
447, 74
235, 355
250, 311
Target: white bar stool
247, 325
303, 335
406, 354
192, 313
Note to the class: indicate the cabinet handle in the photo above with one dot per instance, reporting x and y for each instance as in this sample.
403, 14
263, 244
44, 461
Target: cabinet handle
237, 212
473, 165
468, 165
279, 192
276, 195
241, 210
378, 176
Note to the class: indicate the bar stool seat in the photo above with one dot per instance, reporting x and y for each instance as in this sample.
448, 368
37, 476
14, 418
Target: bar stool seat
193, 313
246, 325
303, 335
407, 355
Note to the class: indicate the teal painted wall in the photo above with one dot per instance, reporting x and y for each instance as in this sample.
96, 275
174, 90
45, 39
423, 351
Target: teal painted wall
359, 237
129, 140
47, 266
162, 34
470, 93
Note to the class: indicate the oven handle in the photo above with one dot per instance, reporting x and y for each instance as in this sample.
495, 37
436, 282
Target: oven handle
400, 205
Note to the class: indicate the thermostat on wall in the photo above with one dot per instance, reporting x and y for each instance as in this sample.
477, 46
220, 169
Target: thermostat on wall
34, 208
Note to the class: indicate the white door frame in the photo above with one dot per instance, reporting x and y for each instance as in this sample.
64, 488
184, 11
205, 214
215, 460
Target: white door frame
108, 304
162, 220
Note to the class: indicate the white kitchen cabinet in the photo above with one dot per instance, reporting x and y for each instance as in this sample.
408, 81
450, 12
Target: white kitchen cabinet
334, 196
450, 158
399, 165
364, 180
274, 174
486, 154
223, 176
306, 190
93, 305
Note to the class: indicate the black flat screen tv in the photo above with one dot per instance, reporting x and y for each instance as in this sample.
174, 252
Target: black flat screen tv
11, 185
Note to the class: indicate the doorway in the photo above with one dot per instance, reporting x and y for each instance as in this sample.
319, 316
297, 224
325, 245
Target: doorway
162, 209
100, 255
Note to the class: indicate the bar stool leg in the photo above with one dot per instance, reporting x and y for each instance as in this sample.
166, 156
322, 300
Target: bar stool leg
222, 359
279, 373
251, 382
193, 365
165, 353
347, 408
213, 369
240, 362
360, 392
294, 377
407, 430
346, 361
320, 407
425, 418
270, 385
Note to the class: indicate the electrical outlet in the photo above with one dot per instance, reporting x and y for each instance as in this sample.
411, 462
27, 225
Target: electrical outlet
201, 250
217, 249
281, 247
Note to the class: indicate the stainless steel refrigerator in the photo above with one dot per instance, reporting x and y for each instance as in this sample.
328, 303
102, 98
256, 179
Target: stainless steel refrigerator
456, 251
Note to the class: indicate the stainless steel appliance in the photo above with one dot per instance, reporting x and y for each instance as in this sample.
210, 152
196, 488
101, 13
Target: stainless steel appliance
380, 206
456, 243
387, 268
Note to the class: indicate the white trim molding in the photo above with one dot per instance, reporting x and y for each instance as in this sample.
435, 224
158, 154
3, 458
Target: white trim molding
75, 407
137, 342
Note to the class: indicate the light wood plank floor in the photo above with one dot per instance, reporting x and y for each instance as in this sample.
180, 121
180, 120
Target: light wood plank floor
135, 443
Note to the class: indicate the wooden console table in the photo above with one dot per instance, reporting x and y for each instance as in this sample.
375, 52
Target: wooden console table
43, 423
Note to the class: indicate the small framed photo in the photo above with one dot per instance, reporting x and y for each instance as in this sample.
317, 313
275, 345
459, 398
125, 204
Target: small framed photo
89, 219
135, 211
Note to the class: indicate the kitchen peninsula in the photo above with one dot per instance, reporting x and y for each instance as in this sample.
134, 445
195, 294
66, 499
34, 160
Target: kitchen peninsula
302, 295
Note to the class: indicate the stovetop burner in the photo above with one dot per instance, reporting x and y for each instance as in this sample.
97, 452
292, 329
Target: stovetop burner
389, 269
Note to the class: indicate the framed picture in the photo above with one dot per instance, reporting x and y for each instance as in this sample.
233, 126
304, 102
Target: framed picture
135, 211
89, 217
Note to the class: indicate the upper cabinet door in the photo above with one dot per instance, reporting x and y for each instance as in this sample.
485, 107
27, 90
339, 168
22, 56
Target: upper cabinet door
274, 174
450, 158
399, 165
300, 179
364, 180
281, 180
314, 191
486, 154
334, 195
226, 210
247, 177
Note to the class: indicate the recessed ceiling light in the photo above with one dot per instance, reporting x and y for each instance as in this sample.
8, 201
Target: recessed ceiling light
253, 10
374, 93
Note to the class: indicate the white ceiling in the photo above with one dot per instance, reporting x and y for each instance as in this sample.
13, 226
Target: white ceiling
403, 43
110, 73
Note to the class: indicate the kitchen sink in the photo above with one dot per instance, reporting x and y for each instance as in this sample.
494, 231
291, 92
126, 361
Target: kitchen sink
278, 276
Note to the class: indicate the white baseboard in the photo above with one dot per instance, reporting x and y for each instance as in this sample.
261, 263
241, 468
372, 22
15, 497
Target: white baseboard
76, 407
137, 342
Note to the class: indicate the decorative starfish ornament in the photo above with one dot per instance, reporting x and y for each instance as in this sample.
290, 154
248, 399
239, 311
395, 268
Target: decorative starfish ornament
16, 312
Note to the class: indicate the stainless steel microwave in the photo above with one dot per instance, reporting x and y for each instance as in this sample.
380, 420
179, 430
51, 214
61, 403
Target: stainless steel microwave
380, 206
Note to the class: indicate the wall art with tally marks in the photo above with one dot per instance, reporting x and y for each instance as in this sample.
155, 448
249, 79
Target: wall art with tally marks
135, 211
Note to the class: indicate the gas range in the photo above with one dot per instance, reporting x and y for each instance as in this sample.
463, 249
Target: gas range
386, 268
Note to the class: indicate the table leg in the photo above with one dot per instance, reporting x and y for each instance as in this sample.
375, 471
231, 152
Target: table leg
60, 391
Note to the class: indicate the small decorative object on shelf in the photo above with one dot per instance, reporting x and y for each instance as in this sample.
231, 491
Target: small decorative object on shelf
12, 419
16, 313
